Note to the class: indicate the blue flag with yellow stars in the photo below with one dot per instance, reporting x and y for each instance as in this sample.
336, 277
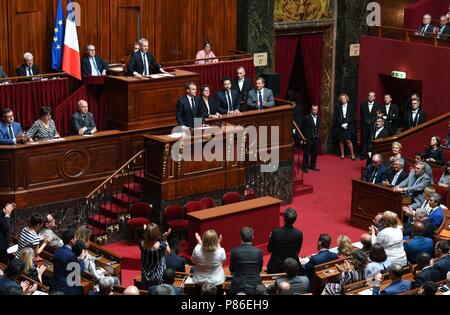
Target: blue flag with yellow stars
58, 38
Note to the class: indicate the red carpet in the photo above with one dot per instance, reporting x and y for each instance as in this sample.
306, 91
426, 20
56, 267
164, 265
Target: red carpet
327, 210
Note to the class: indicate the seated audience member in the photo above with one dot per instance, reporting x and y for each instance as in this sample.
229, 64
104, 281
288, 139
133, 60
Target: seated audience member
428, 288
30, 270
434, 153
14, 291
209, 289
414, 185
3, 74
208, 104
415, 116
284, 242
436, 215
173, 261
348, 274
143, 63
105, 287
246, 262
28, 68
168, 279
29, 237
378, 223
442, 261
260, 289
164, 289
397, 286
284, 288
379, 262
131, 290
43, 128
444, 181
206, 53
376, 171
409, 212
10, 131
10, 276
261, 97
243, 86
443, 30
418, 244
398, 175
389, 168
54, 241
420, 157
154, 248
345, 246
189, 108
83, 121
426, 29
227, 99
421, 215
91, 64
366, 242
62, 258
324, 255
396, 150
208, 257
423, 271
299, 284
391, 238
5, 229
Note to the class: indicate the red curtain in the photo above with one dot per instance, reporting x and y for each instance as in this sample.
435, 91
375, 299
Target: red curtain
311, 47
26, 98
285, 52
212, 74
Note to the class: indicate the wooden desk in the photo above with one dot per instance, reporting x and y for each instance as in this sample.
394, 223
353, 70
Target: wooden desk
368, 200
261, 214
145, 103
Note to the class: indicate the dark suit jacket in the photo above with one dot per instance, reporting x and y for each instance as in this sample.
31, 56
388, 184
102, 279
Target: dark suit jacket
185, 115
3, 73
445, 33
309, 129
78, 123
285, 242
5, 227
385, 133
152, 290
443, 266
416, 246
428, 274
394, 288
421, 117
213, 107
391, 119
176, 263
221, 100
437, 155
246, 87
339, 119
4, 132
428, 30
246, 263
390, 177
22, 70
368, 118
379, 178
137, 64
322, 257
62, 257
86, 65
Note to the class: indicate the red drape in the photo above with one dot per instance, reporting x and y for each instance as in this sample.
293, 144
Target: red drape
311, 47
212, 74
26, 98
286, 50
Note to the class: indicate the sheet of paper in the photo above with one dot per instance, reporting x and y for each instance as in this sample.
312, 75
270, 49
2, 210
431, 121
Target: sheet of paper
366, 292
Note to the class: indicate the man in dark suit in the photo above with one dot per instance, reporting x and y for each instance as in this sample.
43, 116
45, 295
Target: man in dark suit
246, 263
378, 132
66, 266
83, 121
285, 242
442, 261
143, 63
424, 272
390, 114
368, 113
10, 131
397, 286
168, 279
11, 274
376, 171
91, 64
443, 30
322, 257
3, 74
173, 261
5, 228
242, 85
310, 128
28, 68
415, 116
228, 99
418, 244
189, 108
397, 175
426, 29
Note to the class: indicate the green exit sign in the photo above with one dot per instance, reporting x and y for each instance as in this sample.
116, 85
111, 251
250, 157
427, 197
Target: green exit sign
399, 74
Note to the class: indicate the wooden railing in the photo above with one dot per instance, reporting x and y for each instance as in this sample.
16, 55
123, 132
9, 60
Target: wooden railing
38, 77
235, 54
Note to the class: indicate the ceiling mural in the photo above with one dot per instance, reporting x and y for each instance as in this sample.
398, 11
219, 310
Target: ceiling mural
302, 10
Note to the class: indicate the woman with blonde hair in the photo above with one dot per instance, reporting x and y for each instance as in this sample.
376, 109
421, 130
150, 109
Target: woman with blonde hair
344, 124
391, 238
208, 257
30, 270
345, 246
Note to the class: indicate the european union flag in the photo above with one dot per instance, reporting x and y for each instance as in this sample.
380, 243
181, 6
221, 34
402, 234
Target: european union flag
58, 38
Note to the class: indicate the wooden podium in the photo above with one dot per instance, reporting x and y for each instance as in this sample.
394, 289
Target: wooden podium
146, 103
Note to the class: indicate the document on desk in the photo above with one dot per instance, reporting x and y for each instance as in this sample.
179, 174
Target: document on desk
161, 75
366, 292
177, 135
56, 140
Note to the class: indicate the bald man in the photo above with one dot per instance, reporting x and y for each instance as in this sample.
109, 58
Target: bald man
83, 121
131, 290
418, 244
376, 171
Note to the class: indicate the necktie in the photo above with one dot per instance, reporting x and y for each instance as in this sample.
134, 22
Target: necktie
260, 101
10, 131
394, 181
424, 28
192, 104
229, 101
95, 66
30, 71
414, 118
144, 56
374, 176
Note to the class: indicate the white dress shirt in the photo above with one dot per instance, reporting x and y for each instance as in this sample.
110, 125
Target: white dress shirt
370, 106
414, 115
241, 84
344, 109
377, 132
95, 71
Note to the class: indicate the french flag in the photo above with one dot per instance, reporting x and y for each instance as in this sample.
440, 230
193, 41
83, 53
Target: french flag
71, 63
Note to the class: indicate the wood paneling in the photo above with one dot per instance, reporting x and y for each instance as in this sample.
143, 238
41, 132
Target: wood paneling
175, 29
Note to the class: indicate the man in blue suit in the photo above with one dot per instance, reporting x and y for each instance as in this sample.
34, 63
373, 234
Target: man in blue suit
261, 97
10, 131
397, 286
436, 215
418, 244
65, 262
228, 99
322, 257
376, 171
189, 108
91, 64
442, 261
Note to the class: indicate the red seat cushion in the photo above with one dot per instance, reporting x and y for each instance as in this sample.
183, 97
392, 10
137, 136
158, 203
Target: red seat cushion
178, 224
138, 222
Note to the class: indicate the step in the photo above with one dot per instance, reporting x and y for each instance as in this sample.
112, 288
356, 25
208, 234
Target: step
101, 221
303, 190
112, 209
124, 199
134, 189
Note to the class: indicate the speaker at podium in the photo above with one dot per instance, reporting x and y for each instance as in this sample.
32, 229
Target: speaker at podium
272, 82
